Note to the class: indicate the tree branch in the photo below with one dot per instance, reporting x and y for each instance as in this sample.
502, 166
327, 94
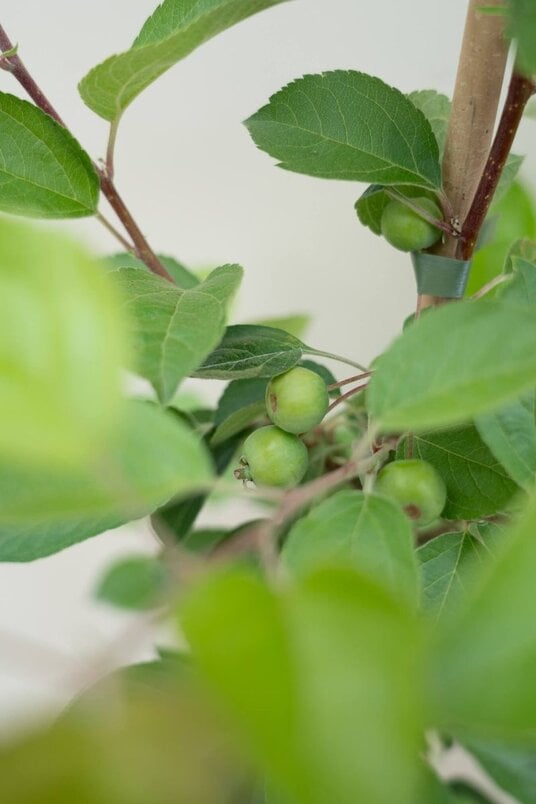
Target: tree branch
519, 92
18, 70
475, 102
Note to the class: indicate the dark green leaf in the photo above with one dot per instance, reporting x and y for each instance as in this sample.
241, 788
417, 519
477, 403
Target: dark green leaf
513, 767
351, 528
484, 663
455, 362
176, 28
62, 346
477, 484
44, 173
348, 125
252, 351
183, 277
152, 458
133, 583
510, 433
240, 405
450, 564
174, 330
331, 685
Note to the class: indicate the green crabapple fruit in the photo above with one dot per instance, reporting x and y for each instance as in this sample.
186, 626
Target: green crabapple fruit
416, 486
275, 458
297, 400
404, 229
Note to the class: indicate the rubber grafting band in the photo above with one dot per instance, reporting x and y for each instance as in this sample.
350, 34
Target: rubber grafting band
440, 276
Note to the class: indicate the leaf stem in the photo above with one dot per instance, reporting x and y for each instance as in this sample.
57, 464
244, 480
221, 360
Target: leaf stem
332, 356
491, 285
143, 250
110, 149
115, 233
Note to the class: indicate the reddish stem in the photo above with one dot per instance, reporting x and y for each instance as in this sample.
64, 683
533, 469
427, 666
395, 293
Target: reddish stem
519, 92
16, 67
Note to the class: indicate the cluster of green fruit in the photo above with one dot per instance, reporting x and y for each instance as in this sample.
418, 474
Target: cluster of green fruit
405, 229
296, 401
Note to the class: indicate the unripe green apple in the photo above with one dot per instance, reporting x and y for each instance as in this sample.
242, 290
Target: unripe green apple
416, 486
275, 458
297, 400
405, 229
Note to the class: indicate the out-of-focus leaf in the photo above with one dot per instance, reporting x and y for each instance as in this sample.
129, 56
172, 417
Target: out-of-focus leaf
135, 583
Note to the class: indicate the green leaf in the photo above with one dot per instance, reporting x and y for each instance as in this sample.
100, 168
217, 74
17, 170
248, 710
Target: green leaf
174, 330
477, 484
369, 207
176, 28
177, 517
514, 218
240, 405
183, 277
348, 125
133, 583
525, 249
296, 325
44, 173
62, 344
513, 767
351, 528
492, 640
522, 287
510, 434
331, 687
127, 738
436, 108
455, 362
252, 351
523, 28
152, 457
450, 564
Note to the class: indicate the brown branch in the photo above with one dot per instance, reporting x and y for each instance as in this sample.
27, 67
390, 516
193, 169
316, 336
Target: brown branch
475, 102
18, 70
519, 92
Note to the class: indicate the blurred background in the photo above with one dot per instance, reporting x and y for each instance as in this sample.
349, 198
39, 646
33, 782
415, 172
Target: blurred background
204, 194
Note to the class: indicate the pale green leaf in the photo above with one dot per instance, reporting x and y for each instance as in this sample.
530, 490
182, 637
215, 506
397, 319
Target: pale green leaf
252, 351
331, 687
136, 583
151, 458
455, 362
449, 565
44, 173
522, 28
183, 277
175, 29
521, 289
510, 434
351, 528
62, 344
370, 206
436, 109
174, 330
484, 662
477, 484
348, 125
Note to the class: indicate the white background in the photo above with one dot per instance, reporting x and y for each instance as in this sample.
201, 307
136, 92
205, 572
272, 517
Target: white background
204, 193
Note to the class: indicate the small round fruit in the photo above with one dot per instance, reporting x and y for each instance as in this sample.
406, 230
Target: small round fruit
416, 486
275, 458
405, 229
297, 400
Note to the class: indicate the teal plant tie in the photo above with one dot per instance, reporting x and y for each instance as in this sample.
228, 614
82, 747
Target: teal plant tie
440, 276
